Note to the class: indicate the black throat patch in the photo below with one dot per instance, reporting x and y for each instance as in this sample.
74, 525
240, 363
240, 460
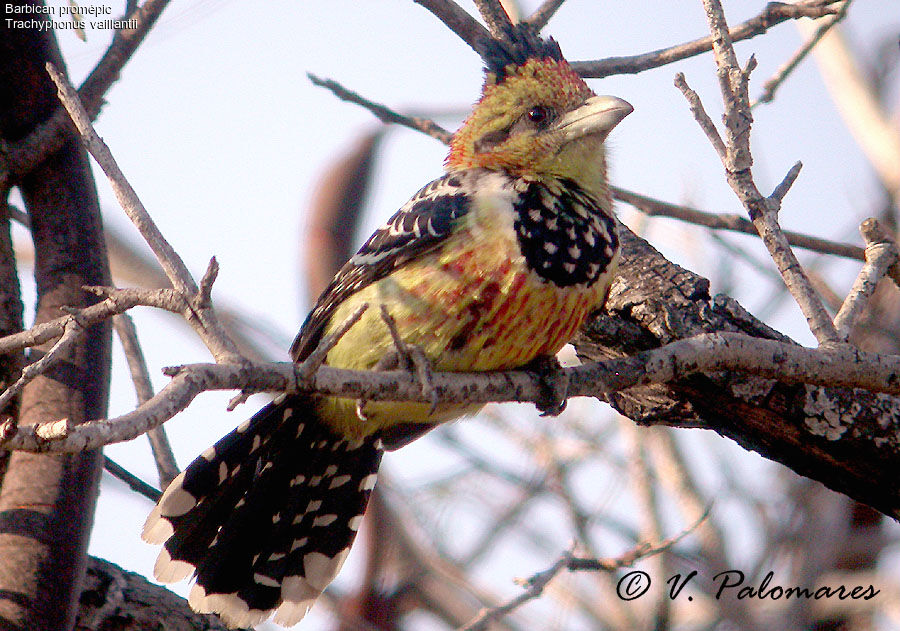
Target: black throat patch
566, 238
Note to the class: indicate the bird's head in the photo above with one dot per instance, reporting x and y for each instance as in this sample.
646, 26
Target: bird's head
536, 117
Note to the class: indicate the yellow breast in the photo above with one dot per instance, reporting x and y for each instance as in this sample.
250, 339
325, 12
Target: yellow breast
471, 305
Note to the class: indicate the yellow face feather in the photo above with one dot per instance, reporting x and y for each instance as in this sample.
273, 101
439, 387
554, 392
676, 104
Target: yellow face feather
500, 133
542, 121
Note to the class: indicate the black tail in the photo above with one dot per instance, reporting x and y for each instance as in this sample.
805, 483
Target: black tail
266, 516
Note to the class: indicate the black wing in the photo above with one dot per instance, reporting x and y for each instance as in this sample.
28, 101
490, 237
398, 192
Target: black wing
419, 226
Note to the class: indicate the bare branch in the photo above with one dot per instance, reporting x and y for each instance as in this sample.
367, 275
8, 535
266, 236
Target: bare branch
166, 466
208, 326
733, 222
72, 330
737, 159
881, 255
133, 482
385, 115
700, 115
544, 13
773, 14
840, 366
772, 84
535, 585
494, 15
460, 22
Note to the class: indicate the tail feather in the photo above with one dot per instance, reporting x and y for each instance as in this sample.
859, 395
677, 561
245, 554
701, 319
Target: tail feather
266, 517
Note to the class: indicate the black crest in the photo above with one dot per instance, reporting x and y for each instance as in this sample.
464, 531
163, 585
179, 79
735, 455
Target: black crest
517, 44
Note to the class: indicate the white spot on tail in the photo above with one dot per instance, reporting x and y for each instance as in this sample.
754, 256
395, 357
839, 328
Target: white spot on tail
339, 481
169, 570
209, 454
368, 482
315, 480
325, 520
262, 579
298, 597
319, 570
354, 523
157, 528
300, 427
313, 506
256, 441
175, 501
300, 479
299, 543
223, 472
288, 413
331, 470
231, 608
240, 429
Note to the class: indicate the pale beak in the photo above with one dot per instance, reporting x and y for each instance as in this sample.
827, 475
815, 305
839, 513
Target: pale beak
596, 116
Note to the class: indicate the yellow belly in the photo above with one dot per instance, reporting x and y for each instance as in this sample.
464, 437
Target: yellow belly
472, 305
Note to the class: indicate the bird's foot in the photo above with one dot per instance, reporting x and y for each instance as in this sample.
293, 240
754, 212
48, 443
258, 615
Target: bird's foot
553, 382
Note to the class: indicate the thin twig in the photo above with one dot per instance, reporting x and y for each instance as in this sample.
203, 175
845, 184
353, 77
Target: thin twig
72, 330
773, 14
881, 255
772, 84
733, 222
384, 114
133, 482
166, 466
535, 585
208, 326
544, 13
305, 369
460, 22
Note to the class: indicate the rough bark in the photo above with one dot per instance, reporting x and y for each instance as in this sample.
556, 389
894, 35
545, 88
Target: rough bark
113, 599
47, 500
840, 437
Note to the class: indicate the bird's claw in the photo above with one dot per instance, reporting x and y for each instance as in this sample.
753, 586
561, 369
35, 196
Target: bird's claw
553, 382
410, 358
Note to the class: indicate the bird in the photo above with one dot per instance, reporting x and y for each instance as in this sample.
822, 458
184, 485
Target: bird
495, 265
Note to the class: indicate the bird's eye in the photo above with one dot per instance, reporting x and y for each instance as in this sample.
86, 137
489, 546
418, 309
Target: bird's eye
540, 116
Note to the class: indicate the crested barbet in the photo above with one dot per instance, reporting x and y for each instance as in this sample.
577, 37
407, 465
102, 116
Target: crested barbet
493, 266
